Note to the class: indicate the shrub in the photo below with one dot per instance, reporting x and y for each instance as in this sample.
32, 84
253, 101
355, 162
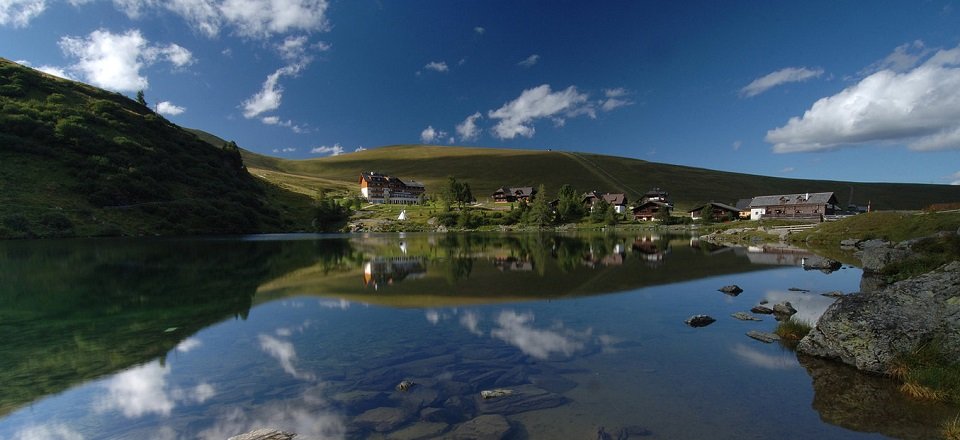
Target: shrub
17, 223
56, 221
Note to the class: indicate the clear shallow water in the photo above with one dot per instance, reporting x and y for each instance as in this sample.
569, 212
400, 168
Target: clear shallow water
212, 338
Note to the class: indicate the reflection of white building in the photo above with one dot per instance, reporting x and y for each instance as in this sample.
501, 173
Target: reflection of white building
389, 270
511, 264
777, 256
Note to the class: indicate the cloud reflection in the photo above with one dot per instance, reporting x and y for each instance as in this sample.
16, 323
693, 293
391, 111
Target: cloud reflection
810, 306
188, 344
517, 330
471, 322
754, 357
309, 416
143, 390
284, 352
54, 431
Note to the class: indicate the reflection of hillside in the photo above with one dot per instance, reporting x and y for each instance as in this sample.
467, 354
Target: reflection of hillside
72, 311
384, 271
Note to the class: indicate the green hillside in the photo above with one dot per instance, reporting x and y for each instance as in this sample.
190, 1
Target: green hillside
77, 160
486, 169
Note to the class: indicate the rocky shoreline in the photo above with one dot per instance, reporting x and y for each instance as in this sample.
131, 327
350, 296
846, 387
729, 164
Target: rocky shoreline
869, 329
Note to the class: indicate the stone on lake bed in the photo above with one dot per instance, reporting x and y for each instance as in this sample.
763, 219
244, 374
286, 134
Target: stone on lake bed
382, 419
420, 430
264, 434
732, 289
763, 336
762, 310
522, 398
485, 427
404, 385
699, 321
744, 316
833, 294
499, 392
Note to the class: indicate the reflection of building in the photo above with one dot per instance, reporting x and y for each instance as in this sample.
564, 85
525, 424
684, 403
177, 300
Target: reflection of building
777, 256
615, 258
381, 188
653, 204
510, 264
650, 248
389, 270
617, 200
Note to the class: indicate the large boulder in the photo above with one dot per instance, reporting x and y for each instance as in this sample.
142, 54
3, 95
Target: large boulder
874, 258
869, 329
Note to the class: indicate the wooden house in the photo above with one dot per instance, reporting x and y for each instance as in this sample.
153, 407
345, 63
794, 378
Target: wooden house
617, 200
650, 210
510, 195
655, 195
381, 188
808, 206
716, 211
744, 206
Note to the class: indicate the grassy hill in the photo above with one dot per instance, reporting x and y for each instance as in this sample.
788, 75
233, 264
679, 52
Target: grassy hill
486, 169
77, 160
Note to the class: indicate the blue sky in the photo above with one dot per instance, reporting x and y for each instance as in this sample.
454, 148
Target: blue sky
845, 90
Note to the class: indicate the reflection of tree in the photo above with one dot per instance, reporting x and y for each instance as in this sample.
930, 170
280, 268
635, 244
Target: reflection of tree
459, 268
74, 311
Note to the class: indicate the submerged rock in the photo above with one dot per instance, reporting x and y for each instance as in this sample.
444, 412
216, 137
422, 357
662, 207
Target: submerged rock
486, 427
869, 329
833, 294
521, 399
492, 394
382, 419
763, 336
732, 289
264, 434
744, 316
797, 289
404, 385
422, 430
699, 321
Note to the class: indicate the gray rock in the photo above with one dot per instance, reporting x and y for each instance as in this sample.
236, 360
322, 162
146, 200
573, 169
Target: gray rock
699, 321
797, 289
833, 294
383, 419
732, 289
825, 265
744, 316
524, 398
419, 431
762, 310
763, 336
869, 329
485, 427
784, 308
873, 259
553, 383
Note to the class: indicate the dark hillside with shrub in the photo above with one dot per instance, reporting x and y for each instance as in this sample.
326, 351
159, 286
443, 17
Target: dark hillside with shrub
79, 161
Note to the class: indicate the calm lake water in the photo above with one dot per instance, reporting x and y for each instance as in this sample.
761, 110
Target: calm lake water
210, 338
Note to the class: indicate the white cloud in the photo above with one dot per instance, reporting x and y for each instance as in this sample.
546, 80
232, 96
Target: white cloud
437, 66
283, 352
479, 30
782, 76
50, 70
335, 150
430, 135
780, 361
143, 390
530, 61
262, 18
956, 178
203, 15
517, 329
293, 48
903, 58
134, 8
188, 345
270, 94
919, 108
359, 149
471, 322
737, 144
468, 130
168, 108
284, 150
52, 431
615, 98
788, 170
114, 61
18, 13
516, 117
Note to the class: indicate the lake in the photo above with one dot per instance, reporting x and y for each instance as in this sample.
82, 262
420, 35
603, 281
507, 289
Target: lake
212, 337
